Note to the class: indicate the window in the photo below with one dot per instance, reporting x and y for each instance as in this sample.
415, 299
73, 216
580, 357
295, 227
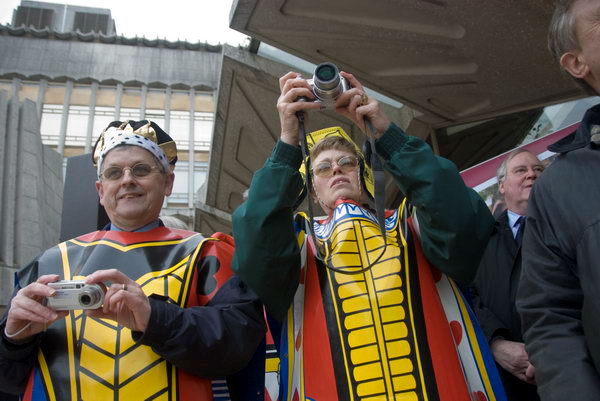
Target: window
91, 22
35, 17
50, 128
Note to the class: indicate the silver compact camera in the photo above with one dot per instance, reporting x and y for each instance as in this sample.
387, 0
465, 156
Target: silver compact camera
75, 294
327, 85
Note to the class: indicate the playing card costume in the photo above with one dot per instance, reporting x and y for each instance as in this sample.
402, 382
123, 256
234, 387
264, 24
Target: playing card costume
369, 319
203, 322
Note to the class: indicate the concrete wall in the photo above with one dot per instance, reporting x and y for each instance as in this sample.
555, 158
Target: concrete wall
31, 185
60, 56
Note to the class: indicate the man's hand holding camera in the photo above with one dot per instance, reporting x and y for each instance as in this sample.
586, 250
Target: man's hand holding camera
124, 301
28, 315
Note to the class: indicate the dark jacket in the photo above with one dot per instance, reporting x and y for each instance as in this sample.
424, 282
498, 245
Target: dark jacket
494, 294
559, 294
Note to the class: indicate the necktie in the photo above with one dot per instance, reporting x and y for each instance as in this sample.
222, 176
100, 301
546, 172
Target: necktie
519, 237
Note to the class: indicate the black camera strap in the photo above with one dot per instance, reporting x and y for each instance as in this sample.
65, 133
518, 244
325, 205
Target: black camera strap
308, 181
378, 180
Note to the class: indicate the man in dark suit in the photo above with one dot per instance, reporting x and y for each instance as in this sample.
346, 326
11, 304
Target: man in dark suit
495, 286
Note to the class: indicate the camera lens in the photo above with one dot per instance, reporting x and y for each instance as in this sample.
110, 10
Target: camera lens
327, 82
85, 299
325, 72
90, 296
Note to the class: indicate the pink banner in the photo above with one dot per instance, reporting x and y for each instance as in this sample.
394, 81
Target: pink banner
483, 172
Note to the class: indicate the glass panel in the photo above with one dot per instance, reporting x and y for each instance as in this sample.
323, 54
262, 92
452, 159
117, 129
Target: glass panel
205, 103
181, 179
132, 98
130, 114
180, 129
50, 127
155, 100
106, 96
81, 95
103, 116
203, 134
180, 101
200, 172
55, 94
77, 126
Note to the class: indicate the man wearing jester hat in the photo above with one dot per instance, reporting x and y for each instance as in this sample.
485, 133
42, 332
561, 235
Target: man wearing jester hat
361, 315
171, 316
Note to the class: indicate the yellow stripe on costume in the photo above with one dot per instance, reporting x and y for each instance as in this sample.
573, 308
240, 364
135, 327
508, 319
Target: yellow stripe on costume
45, 372
187, 283
126, 248
69, 323
291, 350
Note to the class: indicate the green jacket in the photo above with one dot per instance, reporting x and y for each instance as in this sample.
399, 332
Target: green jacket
454, 222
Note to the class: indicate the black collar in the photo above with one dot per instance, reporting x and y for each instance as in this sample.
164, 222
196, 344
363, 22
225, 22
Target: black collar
582, 136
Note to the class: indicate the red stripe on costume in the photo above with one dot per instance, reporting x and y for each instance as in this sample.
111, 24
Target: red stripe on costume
29, 388
128, 238
449, 376
192, 387
223, 251
319, 377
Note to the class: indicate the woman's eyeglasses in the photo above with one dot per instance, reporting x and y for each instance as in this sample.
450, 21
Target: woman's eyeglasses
325, 168
140, 170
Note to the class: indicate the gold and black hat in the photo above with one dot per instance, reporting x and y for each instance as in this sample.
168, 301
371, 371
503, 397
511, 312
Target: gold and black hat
145, 134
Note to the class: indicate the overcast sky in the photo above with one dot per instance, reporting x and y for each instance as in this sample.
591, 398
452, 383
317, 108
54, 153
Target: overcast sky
194, 20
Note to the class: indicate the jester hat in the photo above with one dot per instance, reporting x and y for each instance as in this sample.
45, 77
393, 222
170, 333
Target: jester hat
145, 134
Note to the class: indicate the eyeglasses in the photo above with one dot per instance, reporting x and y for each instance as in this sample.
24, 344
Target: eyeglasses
325, 168
139, 170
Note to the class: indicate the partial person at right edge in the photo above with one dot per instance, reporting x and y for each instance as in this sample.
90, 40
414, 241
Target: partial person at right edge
495, 287
558, 297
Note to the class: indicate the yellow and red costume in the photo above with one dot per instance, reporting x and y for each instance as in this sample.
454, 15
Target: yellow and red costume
203, 322
378, 322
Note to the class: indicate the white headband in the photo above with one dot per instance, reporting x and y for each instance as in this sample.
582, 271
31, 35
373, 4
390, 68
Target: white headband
114, 137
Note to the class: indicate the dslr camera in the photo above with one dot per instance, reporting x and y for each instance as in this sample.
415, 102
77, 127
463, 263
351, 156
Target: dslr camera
75, 294
327, 85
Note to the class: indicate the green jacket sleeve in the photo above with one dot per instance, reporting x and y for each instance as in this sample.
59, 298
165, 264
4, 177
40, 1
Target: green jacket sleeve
454, 222
267, 256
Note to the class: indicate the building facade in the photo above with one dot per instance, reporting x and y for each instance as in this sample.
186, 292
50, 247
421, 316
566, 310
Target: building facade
82, 75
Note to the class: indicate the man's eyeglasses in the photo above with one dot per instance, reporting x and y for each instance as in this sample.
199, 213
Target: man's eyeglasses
325, 168
140, 170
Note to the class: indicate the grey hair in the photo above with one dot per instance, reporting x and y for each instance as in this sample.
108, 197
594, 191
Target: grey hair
562, 37
501, 172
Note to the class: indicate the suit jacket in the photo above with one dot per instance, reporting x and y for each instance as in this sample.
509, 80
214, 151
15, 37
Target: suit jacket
494, 293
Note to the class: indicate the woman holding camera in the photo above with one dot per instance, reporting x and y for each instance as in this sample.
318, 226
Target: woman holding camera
359, 311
